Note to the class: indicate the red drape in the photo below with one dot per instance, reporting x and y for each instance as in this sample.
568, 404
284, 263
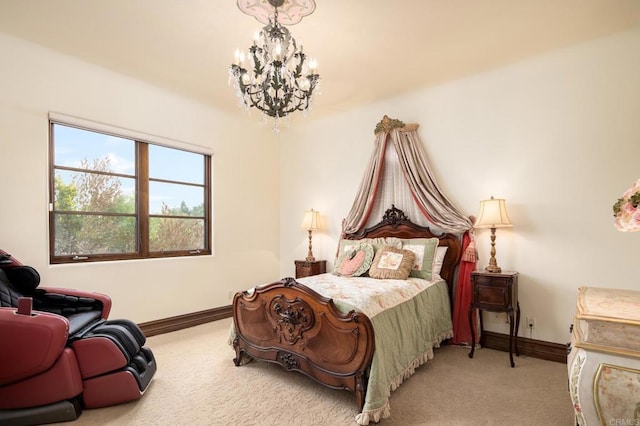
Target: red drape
461, 330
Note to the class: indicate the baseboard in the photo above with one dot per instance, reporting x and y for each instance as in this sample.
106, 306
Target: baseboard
534, 348
179, 322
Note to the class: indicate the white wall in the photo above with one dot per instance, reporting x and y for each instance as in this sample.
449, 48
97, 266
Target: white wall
558, 136
34, 81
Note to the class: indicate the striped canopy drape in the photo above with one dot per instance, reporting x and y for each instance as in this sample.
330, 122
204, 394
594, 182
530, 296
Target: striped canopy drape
419, 196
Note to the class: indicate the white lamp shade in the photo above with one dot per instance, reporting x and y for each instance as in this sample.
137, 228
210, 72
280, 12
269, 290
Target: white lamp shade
310, 220
493, 214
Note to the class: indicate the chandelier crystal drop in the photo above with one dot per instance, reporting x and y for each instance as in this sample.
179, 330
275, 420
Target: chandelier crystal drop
275, 76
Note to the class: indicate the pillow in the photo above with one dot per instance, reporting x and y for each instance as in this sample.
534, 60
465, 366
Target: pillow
346, 245
392, 263
424, 250
377, 243
381, 242
356, 262
441, 251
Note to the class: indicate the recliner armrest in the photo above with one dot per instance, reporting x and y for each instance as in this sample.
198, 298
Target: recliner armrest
30, 343
68, 301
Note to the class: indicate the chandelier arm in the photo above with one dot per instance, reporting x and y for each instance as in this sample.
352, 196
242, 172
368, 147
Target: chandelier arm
257, 103
258, 67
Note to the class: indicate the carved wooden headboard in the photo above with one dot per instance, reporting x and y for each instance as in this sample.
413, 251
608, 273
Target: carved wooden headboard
395, 223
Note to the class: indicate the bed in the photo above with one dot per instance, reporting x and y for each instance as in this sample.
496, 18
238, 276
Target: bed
342, 342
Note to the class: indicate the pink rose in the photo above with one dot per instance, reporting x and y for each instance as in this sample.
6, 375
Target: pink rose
627, 216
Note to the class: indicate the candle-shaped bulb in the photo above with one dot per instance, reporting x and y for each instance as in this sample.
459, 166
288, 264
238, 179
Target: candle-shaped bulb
313, 66
277, 51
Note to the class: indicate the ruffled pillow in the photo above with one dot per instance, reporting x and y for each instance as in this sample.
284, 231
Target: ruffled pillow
355, 262
392, 263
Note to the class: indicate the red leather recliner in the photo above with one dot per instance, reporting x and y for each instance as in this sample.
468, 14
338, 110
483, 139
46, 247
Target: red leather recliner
59, 353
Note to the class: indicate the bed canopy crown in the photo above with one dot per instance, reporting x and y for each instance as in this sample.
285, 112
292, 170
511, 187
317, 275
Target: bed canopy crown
414, 188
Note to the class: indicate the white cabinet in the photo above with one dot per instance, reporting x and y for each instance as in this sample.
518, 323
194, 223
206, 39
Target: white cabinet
604, 361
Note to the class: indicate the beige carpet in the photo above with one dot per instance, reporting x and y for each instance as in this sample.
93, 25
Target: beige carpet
198, 384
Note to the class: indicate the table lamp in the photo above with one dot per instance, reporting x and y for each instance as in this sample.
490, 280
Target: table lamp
310, 223
493, 214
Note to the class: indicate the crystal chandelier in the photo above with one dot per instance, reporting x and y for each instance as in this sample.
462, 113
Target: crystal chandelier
276, 76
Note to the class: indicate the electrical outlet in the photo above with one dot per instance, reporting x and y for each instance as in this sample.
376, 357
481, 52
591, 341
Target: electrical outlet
531, 322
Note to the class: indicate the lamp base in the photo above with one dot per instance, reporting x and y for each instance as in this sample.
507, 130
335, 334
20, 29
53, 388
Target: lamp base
493, 269
493, 265
310, 257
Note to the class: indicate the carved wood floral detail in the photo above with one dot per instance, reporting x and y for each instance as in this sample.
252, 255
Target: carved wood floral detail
292, 318
394, 216
573, 387
288, 360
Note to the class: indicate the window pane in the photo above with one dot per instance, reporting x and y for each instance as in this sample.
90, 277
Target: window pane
167, 234
84, 149
176, 200
176, 165
94, 234
93, 192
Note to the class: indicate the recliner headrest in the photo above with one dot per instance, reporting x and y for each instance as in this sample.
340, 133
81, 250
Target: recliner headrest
25, 279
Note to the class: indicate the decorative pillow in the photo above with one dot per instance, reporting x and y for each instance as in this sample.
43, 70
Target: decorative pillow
441, 251
356, 262
377, 243
392, 263
346, 245
424, 250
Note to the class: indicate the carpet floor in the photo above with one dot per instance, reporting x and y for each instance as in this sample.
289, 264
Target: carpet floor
198, 384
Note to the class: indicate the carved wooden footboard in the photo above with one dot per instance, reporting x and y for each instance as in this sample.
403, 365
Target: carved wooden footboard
290, 324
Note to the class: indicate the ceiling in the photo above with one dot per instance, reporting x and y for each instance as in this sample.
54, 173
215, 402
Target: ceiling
367, 50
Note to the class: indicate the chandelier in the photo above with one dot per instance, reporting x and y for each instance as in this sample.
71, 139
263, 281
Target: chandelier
275, 76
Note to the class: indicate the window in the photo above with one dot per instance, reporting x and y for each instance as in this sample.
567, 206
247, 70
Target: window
117, 197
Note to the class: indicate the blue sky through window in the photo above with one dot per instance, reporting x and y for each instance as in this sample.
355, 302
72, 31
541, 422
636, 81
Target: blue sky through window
72, 145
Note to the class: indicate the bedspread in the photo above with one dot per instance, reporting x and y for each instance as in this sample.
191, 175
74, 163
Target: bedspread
409, 318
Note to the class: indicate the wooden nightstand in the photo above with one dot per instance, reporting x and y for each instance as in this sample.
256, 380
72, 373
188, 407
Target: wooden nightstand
497, 292
305, 268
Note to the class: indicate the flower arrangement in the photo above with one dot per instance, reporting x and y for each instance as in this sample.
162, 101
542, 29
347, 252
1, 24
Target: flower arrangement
627, 209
